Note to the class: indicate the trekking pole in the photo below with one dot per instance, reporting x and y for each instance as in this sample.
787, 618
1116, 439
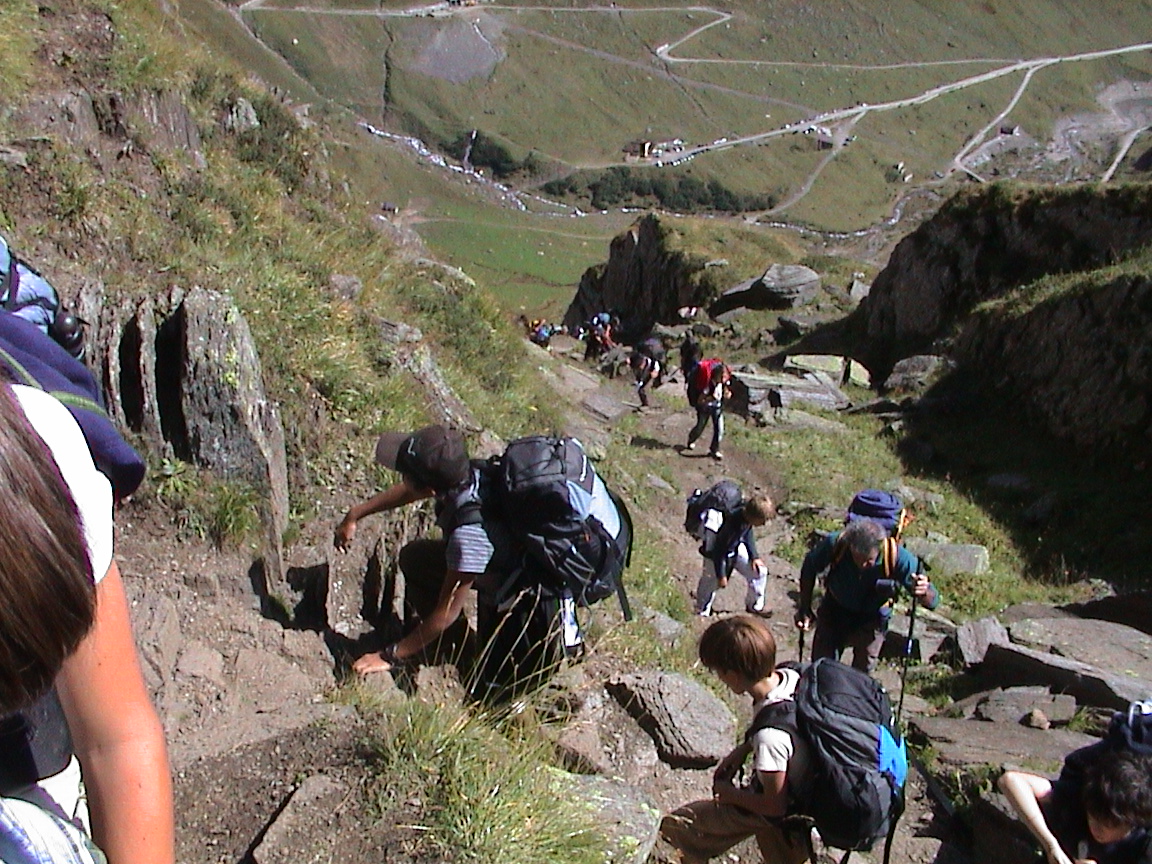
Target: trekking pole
802, 632
906, 658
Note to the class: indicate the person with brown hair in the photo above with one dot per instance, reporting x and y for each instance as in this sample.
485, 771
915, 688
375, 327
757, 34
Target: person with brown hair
741, 652
64, 619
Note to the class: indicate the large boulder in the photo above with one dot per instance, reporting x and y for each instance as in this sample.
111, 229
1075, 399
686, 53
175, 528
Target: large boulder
782, 286
691, 727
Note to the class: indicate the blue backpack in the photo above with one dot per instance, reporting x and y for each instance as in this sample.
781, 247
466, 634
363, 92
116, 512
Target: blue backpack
28, 295
879, 506
859, 761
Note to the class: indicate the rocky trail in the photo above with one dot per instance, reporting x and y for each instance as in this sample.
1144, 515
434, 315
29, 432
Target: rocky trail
270, 764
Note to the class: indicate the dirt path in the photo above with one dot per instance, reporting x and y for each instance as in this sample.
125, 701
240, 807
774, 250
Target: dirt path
924, 833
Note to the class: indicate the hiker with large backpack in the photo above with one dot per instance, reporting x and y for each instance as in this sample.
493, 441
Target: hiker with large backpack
707, 387
741, 652
535, 531
865, 568
648, 362
724, 523
1100, 807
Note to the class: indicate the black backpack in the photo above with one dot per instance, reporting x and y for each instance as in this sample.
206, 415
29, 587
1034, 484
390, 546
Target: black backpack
547, 493
724, 496
859, 761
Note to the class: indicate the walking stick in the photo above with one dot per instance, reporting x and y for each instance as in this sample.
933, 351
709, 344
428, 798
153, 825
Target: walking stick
906, 658
802, 632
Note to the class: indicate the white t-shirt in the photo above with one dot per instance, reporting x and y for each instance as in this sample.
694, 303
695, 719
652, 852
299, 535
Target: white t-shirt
90, 489
774, 750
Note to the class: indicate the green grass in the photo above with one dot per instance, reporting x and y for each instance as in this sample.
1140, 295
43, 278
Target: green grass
574, 86
483, 796
827, 469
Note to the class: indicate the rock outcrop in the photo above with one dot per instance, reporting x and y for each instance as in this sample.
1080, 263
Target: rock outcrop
1007, 283
646, 278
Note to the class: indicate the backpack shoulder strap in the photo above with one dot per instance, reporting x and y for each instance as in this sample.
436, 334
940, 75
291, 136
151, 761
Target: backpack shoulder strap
889, 551
779, 715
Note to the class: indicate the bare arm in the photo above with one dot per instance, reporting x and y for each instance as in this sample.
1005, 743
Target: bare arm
771, 800
396, 495
118, 737
449, 605
1026, 792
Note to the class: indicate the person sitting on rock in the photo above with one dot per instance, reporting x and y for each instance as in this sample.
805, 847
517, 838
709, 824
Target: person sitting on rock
859, 589
1099, 811
741, 652
728, 543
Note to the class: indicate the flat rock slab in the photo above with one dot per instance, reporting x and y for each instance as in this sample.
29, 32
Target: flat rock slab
950, 557
962, 743
1009, 665
1015, 703
287, 839
1118, 649
626, 818
691, 727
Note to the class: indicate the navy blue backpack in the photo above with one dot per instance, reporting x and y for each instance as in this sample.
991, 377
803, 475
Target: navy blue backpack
859, 760
879, 506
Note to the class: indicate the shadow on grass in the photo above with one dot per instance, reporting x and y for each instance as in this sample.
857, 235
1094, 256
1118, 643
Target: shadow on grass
1072, 513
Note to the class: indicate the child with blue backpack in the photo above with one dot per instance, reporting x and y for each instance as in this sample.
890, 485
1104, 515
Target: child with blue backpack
741, 652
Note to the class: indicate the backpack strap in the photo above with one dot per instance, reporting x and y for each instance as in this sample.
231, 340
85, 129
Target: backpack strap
8, 280
778, 715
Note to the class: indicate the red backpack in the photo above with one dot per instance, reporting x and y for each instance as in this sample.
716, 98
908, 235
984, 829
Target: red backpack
702, 375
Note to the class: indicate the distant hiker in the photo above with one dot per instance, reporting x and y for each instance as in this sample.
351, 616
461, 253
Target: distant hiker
741, 652
599, 336
482, 549
724, 523
690, 354
541, 333
648, 363
775, 402
1100, 807
865, 568
707, 388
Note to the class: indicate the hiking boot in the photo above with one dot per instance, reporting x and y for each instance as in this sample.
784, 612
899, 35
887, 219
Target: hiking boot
756, 608
717, 455
691, 445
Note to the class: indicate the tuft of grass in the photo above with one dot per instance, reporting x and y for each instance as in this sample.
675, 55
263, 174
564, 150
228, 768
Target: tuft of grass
483, 796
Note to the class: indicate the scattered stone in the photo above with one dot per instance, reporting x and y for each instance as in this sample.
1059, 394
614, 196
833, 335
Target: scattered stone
1118, 649
241, 117
197, 660
691, 727
915, 374
667, 628
963, 743
659, 483
789, 328
974, 637
628, 819
1015, 664
347, 288
858, 290
829, 364
1036, 719
752, 394
1017, 704
950, 558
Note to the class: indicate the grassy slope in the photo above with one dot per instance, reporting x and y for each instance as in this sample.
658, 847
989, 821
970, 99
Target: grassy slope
594, 77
